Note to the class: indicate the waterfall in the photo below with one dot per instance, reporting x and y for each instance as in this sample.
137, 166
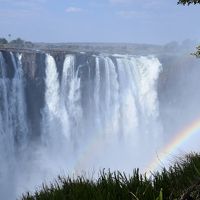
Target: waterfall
128, 98
97, 91
125, 110
13, 111
62, 111
111, 97
6, 137
52, 111
13, 123
18, 102
97, 111
73, 94
138, 77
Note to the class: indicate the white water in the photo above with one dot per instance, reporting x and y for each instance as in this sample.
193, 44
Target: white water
125, 104
14, 128
87, 124
131, 107
97, 92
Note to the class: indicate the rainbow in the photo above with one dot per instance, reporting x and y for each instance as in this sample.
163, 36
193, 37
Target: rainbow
162, 157
182, 137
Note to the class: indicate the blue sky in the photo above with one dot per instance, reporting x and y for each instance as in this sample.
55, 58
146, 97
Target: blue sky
136, 21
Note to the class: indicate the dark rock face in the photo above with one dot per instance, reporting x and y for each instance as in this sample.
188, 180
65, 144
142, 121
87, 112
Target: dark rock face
9, 64
34, 72
59, 59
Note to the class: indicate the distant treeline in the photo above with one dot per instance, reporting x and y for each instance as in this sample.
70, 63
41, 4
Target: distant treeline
186, 47
15, 43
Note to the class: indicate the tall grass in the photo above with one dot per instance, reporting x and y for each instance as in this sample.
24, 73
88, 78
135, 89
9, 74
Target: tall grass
181, 179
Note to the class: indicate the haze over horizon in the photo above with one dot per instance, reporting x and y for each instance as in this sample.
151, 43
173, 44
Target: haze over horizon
115, 21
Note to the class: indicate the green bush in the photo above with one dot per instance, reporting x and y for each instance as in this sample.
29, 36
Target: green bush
183, 178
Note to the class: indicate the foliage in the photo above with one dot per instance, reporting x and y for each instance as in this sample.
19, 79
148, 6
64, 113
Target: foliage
17, 41
28, 44
3, 41
20, 43
188, 2
180, 181
197, 54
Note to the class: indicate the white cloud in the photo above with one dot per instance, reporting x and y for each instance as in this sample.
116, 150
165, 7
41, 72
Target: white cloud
73, 9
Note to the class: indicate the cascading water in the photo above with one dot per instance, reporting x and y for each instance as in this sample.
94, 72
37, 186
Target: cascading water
95, 116
124, 104
72, 98
52, 113
13, 122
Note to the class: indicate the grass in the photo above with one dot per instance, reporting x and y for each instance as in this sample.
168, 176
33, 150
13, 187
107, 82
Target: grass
180, 181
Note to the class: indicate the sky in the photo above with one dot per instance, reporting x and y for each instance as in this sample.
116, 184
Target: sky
129, 21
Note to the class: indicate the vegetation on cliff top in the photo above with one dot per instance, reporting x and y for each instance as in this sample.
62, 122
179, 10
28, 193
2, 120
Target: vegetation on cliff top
180, 181
188, 2
16, 43
197, 53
